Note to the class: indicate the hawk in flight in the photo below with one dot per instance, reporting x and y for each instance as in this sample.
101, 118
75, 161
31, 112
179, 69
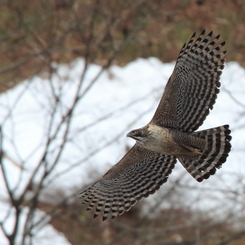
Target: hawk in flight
188, 97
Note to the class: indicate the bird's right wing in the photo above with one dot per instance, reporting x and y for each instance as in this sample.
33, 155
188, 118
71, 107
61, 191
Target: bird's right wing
138, 174
192, 88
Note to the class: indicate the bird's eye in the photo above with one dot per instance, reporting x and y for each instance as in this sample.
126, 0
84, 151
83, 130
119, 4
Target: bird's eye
137, 133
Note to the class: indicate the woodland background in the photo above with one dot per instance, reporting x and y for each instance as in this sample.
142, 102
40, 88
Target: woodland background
36, 34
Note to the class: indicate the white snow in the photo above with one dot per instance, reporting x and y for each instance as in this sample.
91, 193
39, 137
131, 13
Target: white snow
43, 234
120, 100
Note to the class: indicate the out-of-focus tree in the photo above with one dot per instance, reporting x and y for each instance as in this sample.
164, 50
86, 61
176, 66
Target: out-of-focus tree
34, 34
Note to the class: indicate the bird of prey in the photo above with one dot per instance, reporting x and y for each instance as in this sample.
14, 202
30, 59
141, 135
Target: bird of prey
188, 97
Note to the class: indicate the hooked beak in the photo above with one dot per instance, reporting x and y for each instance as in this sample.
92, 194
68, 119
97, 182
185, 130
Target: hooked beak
130, 134
134, 134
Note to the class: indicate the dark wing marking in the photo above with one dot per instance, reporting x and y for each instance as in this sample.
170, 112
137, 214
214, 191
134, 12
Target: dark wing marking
138, 174
193, 86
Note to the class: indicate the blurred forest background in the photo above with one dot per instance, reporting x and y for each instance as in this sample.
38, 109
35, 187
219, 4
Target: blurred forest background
34, 34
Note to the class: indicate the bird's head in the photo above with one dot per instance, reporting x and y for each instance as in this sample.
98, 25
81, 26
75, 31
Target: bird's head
140, 135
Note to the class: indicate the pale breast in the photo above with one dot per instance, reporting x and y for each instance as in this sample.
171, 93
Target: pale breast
161, 140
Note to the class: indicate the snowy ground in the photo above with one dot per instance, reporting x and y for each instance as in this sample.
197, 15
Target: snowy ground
120, 100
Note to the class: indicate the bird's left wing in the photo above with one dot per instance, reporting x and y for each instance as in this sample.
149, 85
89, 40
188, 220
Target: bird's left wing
138, 174
192, 88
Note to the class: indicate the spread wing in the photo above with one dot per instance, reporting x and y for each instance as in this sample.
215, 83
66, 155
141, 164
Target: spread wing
138, 174
193, 86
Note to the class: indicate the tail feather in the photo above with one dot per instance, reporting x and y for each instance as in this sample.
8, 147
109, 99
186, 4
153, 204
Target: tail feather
213, 155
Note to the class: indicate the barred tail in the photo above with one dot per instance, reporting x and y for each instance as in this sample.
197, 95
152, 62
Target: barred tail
213, 155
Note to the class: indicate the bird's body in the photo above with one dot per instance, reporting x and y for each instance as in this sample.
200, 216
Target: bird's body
188, 97
167, 141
